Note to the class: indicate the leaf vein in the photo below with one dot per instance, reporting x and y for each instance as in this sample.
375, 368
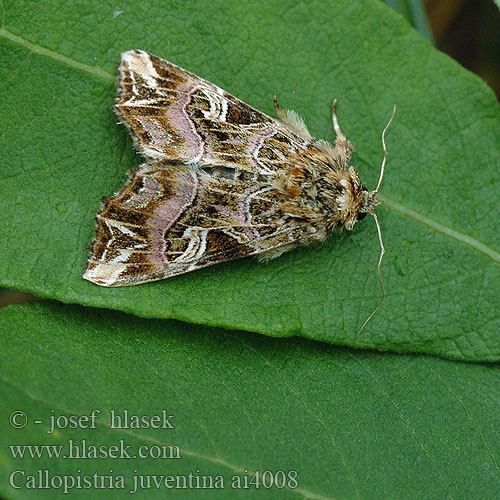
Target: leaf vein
54, 55
463, 238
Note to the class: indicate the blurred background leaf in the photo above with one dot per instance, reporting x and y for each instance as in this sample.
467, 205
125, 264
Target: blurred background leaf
414, 12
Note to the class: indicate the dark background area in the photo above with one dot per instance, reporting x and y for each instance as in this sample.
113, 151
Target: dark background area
468, 31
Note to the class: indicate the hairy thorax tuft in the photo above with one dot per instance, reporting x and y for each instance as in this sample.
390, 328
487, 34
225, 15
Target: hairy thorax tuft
318, 190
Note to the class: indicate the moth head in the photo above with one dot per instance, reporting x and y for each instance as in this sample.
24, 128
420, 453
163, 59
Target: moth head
353, 200
368, 203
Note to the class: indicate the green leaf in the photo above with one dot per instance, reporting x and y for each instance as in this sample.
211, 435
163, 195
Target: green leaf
62, 151
353, 424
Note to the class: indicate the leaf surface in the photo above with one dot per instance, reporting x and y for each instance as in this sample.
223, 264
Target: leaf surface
353, 424
62, 151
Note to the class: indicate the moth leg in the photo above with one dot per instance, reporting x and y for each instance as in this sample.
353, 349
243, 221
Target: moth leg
292, 120
344, 147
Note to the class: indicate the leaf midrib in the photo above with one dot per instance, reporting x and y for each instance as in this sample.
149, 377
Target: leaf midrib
463, 238
398, 207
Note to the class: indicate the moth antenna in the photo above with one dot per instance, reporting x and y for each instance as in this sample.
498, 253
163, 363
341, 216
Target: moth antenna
379, 276
276, 105
382, 168
282, 115
377, 223
336, 126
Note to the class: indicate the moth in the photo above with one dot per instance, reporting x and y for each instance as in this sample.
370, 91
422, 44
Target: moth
221, 180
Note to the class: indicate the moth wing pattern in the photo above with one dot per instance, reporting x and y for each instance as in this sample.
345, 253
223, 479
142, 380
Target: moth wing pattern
165, 222
207, 193
174, 115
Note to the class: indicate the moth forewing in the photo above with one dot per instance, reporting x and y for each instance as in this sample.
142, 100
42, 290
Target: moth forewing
221, 180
